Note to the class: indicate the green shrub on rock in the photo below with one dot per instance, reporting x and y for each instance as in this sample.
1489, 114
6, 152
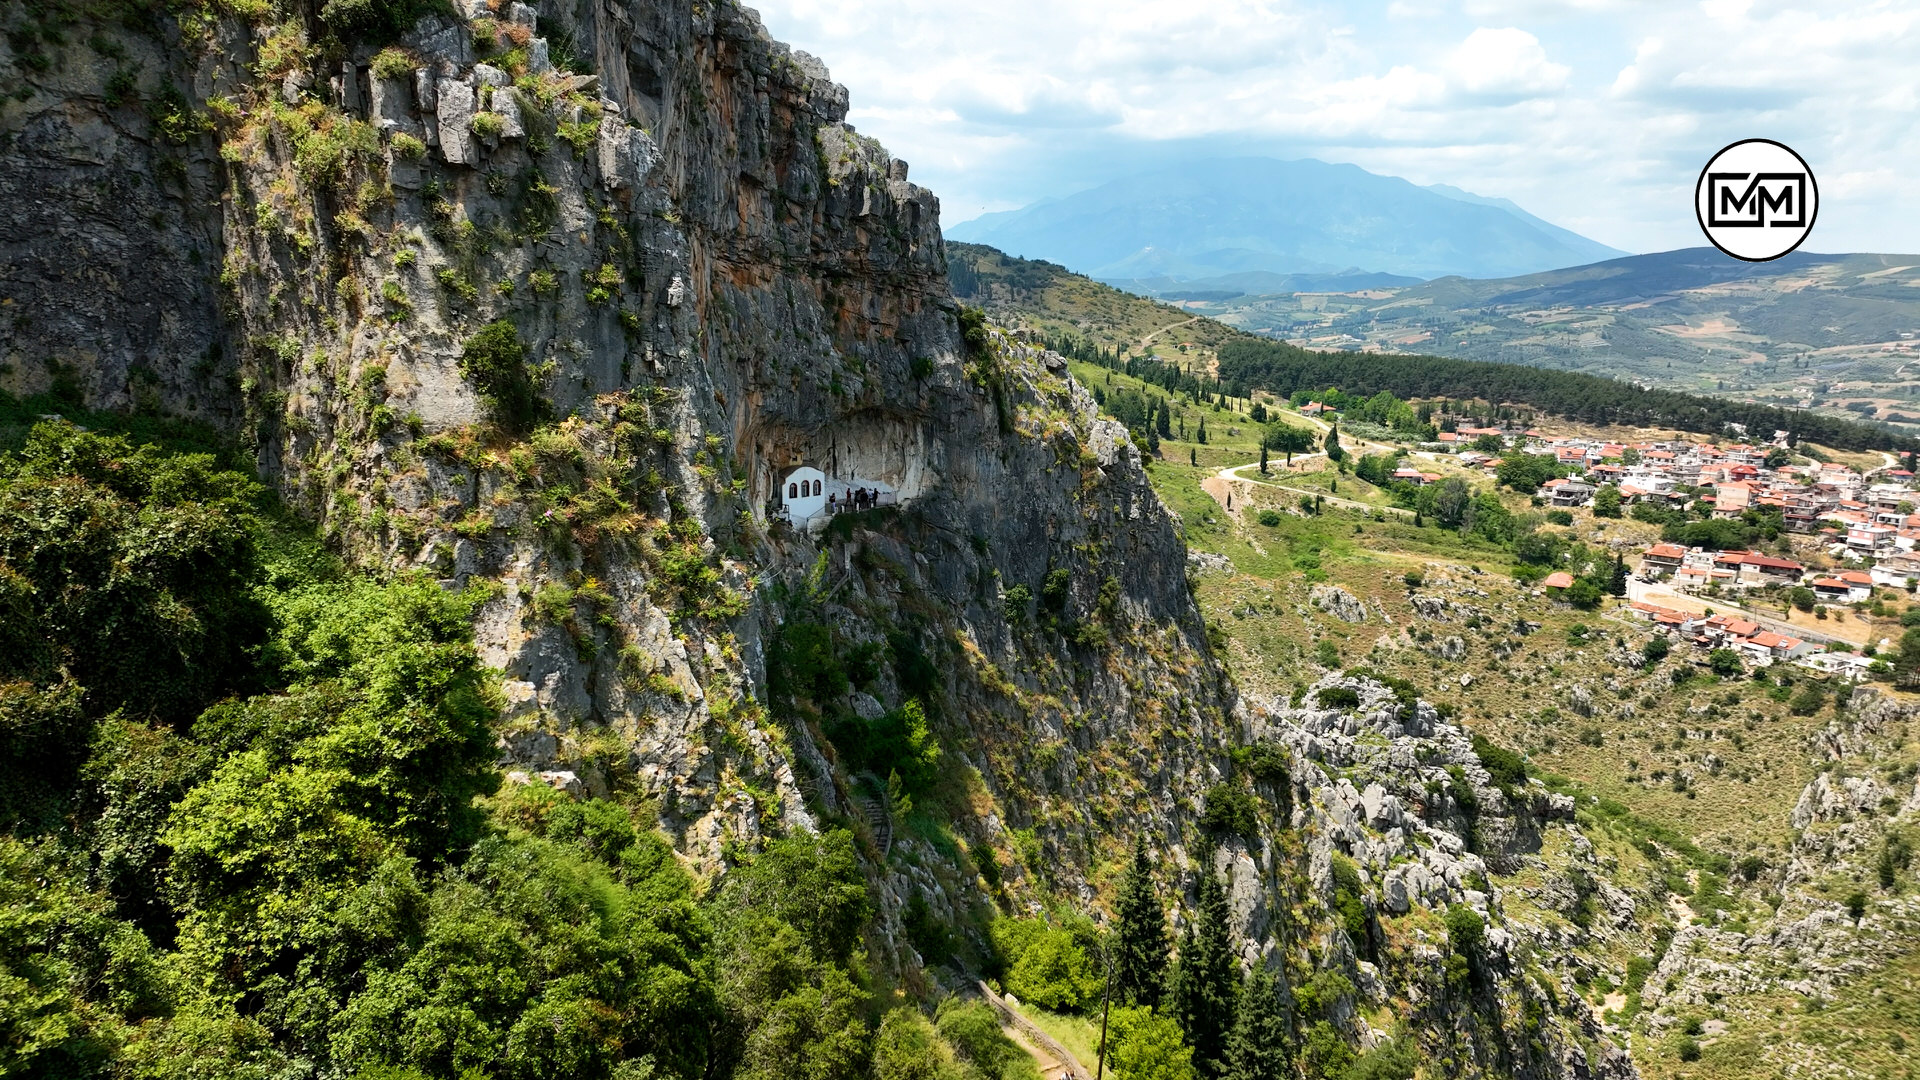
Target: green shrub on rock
495, 362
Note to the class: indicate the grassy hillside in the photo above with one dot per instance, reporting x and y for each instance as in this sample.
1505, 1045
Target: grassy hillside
1838, 333
1686, 780
1062, 304
1068, 308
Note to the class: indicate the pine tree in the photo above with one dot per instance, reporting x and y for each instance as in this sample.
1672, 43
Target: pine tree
1257, 1049
1208, 982
1140, 963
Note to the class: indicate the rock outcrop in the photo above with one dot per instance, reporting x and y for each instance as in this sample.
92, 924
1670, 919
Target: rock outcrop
714, 279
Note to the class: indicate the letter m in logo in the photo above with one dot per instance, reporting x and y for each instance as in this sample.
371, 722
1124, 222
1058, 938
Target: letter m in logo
1744, 200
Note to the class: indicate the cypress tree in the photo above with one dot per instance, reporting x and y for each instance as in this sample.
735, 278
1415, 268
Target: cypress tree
1617, 585
1176, 994
1140, 966
1164, 425
1257, 1049
1200, 436
1263, 457
1208, 981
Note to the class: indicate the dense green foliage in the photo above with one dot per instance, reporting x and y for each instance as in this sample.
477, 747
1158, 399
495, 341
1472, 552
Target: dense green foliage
1144, 1045
1052, 966
1258, 1048
253, 828
127, 570
376, 22
495, 361
1508, 769
1247, 364
1229, 810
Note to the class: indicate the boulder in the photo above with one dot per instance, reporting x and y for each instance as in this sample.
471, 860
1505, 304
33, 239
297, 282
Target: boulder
391, 108
1338, 603
456, 121
505, 104
626, 154
293, 88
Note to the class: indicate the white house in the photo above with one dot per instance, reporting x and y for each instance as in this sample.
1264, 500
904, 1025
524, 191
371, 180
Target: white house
1896, 571
803, 492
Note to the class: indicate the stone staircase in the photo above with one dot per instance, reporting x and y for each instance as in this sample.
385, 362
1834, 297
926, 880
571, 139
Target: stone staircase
870, 795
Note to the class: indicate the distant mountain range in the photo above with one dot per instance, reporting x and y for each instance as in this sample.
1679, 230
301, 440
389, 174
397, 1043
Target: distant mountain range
1837, 332
1259, 283
1188, 227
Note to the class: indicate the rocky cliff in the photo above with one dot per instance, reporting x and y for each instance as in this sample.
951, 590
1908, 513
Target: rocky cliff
550, 301
710, 278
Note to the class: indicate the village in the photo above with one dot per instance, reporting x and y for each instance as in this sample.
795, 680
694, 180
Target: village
1865, 522
1836, 535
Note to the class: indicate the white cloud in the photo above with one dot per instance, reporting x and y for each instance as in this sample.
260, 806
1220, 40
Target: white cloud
1592, 113
1505, 63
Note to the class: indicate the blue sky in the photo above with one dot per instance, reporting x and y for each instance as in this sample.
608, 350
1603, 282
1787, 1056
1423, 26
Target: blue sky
1594, 114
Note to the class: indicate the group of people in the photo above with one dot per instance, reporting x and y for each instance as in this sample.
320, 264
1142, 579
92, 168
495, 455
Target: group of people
856, 500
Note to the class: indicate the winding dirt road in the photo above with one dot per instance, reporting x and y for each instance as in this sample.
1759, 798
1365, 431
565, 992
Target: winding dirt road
1056, 1062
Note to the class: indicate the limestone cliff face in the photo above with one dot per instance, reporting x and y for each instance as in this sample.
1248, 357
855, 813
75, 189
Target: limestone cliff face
715, 280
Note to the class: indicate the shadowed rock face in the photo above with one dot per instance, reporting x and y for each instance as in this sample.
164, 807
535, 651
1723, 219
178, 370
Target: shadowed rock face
109, 241
715, 278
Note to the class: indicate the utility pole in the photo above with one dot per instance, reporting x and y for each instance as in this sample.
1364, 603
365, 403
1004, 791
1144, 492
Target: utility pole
1106, 1004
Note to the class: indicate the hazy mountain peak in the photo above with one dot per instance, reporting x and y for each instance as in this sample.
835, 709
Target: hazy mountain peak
1209, 218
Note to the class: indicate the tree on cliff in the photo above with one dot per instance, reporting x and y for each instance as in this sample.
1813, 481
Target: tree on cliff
1257, 1049
1141, 960
1206, 982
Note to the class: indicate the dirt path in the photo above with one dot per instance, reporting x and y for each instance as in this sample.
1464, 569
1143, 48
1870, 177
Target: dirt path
1148, 340
1055, 1062
1228, 486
